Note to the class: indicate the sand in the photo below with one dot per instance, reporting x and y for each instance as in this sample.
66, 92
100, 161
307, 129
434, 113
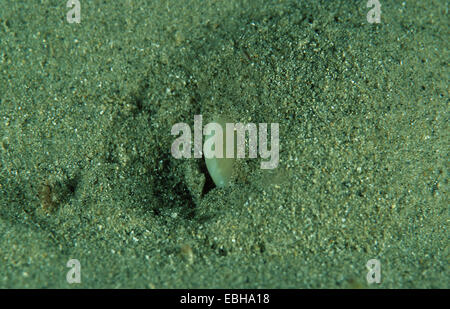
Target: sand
86, 170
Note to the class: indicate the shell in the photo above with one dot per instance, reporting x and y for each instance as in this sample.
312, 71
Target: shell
220, 169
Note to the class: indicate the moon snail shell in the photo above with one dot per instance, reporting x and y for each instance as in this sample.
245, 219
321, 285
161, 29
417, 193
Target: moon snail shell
219, 166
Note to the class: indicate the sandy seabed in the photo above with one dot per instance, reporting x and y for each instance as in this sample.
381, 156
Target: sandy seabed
86, 171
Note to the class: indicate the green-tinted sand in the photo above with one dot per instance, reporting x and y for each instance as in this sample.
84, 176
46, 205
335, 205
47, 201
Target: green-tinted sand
86, 171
